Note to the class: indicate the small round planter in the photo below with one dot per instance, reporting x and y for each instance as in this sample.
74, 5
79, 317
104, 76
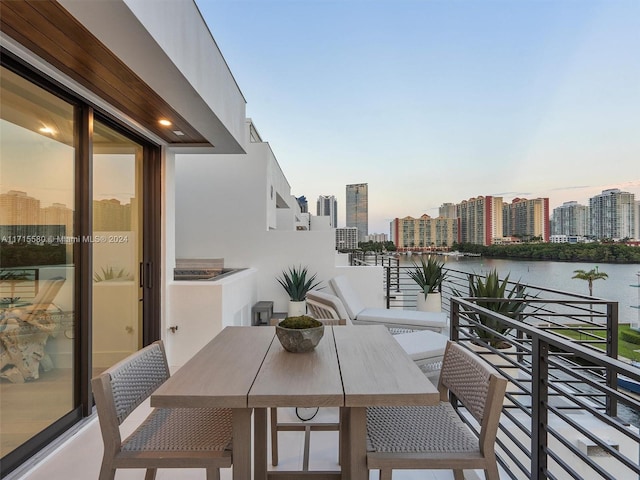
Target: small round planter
299, 340
433, 302
297, 308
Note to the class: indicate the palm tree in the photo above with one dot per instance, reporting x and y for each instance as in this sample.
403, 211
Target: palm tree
590, 276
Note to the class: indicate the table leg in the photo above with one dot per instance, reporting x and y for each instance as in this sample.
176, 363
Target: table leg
241, 443
260, 443
344, 443
357, 444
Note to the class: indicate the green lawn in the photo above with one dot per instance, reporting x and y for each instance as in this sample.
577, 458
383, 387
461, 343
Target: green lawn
625, 349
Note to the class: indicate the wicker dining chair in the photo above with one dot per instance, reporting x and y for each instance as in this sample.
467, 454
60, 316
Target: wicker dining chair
169, 437
436, 437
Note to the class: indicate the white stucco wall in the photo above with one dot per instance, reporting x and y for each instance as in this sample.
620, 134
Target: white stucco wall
201, 309
224, 209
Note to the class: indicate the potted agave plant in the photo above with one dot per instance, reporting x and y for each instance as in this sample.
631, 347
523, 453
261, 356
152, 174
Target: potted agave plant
503, 300
429, 277
296, 281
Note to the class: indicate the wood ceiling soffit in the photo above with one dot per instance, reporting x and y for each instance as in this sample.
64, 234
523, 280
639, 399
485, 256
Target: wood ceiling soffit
52, 33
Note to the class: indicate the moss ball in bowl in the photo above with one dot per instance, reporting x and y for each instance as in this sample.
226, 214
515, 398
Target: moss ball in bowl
299, 334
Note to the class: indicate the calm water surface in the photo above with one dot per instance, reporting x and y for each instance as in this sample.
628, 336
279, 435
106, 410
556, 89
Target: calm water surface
557, 275
619, 286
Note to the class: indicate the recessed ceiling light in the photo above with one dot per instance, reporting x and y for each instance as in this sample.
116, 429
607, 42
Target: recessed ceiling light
164, 122
179, 133
47, 130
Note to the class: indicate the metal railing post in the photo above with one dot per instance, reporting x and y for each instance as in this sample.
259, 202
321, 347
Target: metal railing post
539, 402
388, 287
454, 326
612, 351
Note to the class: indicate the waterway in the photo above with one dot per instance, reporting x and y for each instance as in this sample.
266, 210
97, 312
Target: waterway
619, 286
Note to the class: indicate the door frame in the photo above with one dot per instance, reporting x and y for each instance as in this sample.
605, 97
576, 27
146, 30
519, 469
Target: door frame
85, 112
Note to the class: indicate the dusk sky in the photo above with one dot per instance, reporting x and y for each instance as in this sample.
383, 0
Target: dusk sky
439, 101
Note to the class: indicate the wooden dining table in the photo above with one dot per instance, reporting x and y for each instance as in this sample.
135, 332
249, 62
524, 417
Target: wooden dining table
246, 369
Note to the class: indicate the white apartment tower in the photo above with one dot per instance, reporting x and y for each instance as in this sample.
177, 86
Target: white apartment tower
637, 222
613, 215
328, 207
448, 210
571, 219
346, 238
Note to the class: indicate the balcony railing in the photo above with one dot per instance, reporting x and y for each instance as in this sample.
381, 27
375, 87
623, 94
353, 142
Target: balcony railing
564, 415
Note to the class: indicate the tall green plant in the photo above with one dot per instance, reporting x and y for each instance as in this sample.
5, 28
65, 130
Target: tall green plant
296, 283
502, 300
429, 276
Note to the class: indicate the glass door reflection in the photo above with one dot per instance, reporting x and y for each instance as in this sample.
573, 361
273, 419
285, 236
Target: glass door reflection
117, 247
37, 264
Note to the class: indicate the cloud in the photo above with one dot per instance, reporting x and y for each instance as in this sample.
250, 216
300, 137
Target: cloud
576, 187
512, 194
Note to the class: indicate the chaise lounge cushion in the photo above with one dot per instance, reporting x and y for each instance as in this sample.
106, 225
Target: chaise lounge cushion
424, 346
360, 314
402, 318
348, 295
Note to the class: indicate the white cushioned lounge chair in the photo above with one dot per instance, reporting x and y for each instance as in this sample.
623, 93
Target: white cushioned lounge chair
396, 318
425, 347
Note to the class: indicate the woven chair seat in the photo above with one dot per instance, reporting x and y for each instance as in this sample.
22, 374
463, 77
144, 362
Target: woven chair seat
168, 437
425, 429
183, 430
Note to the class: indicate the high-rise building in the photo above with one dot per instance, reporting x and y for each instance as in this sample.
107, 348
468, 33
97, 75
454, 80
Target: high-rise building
376, 237
424, 233
526, 219
22, 215
637, 222
613, 215
328, 207
571, 219
358, 208
17, 208
346, 238
447, 210
111, 215
480, 220
302, 201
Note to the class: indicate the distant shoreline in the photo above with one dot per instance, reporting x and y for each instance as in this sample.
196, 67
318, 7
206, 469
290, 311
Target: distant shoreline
561, 252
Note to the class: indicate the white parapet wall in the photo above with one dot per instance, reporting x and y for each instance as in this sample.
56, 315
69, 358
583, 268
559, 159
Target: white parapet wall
198, 310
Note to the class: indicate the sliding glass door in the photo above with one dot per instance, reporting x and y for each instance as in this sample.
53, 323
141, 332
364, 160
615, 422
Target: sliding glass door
117, 246
80, 243
38, 358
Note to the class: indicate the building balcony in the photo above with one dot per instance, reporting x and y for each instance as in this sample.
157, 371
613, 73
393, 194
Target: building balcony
564, 415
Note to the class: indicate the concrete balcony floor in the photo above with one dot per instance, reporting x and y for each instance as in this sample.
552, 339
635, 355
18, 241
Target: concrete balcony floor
80, 456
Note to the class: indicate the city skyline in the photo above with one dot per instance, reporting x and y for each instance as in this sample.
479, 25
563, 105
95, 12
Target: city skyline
432, 102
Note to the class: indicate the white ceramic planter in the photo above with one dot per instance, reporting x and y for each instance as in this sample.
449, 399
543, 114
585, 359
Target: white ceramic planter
297, 308
433, 302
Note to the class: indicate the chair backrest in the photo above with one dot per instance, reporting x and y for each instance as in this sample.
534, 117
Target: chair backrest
477, 385
324, 305
124, 386
347, 295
